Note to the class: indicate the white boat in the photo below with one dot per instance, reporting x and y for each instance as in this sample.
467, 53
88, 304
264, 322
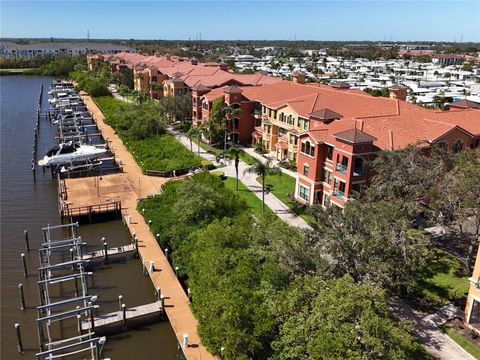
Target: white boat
67, 153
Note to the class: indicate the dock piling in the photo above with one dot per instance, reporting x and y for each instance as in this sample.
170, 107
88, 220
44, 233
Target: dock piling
24, 263
79, 324
152, 267
189, 294
105, 249
158, 293
124, 314
120, 302
22, 296
162, 303
185, 340
25, 233
19, 338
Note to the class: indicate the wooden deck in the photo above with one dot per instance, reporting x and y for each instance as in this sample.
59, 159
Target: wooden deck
177, 305
110, 252
116, 317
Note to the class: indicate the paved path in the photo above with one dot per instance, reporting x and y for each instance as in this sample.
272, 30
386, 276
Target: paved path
259, 157
177, 305
426, 330
249, 180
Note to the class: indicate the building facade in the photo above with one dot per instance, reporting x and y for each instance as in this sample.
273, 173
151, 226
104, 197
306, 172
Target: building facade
472, 309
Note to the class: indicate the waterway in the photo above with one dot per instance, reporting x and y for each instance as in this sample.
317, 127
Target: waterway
28, 204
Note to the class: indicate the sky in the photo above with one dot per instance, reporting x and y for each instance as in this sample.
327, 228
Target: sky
434, 20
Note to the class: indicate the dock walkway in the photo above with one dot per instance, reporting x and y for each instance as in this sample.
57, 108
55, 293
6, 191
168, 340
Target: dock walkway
116, 317
110, 252
177, 306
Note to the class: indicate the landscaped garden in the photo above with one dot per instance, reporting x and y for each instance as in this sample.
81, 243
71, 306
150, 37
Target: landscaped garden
252, 201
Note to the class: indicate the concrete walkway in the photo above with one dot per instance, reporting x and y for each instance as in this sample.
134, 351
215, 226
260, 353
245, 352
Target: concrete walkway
261, 158
426, 330
249, 180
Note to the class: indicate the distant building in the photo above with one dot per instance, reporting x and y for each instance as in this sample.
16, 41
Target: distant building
472, 310
12, 49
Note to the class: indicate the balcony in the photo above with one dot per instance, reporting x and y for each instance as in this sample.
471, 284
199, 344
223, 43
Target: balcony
358, 171
339, 194
341, 169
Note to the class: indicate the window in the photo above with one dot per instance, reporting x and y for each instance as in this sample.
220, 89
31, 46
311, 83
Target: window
304, 192
326, 200
292, 139
329, 153
457, 146
269, 112
299, 122
291, 120
281, 131
305, 124
282, 117
308, 149
154, 79
305, 169
475, 143
356, 189
358, 167
474, 318
275, 114
327, 176
442, 145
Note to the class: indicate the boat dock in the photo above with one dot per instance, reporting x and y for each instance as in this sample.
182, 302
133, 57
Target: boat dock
119, 319
156, 264
121, 250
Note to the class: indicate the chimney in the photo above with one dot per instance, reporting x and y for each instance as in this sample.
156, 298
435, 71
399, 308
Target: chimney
194, 61
157, 54
168, 57
398, 92
298, 77
139, 52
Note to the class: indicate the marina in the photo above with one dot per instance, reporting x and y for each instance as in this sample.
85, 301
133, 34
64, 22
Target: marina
122, 273
90, 199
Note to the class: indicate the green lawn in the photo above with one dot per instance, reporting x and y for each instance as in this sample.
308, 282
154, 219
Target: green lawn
249, 160
441, 282
281, 186
159, 152
250, 198
470, 347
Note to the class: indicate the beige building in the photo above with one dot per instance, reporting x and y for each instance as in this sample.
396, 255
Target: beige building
472, 310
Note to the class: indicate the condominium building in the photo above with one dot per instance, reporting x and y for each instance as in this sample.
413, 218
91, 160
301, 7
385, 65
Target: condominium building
331, 132
168, 75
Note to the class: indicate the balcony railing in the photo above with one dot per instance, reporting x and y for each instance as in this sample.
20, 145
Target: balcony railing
358, 171
339, 194
341, 168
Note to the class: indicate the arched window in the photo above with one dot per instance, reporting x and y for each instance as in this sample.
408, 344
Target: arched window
457, 146
154, 79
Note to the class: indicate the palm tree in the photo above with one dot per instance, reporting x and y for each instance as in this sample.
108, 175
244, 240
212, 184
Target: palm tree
234, 153
230, 115
263, 169
194, 131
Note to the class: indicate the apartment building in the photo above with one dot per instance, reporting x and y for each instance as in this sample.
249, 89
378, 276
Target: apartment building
331, 132
472, 309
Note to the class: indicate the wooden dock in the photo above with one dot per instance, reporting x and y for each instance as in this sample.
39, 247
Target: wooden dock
110, 252
116, 318
177, 305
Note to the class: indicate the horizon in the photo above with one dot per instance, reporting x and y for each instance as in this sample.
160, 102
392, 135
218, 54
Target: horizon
384, 21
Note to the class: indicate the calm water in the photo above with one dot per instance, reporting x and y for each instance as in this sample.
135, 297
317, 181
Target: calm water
31, 205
